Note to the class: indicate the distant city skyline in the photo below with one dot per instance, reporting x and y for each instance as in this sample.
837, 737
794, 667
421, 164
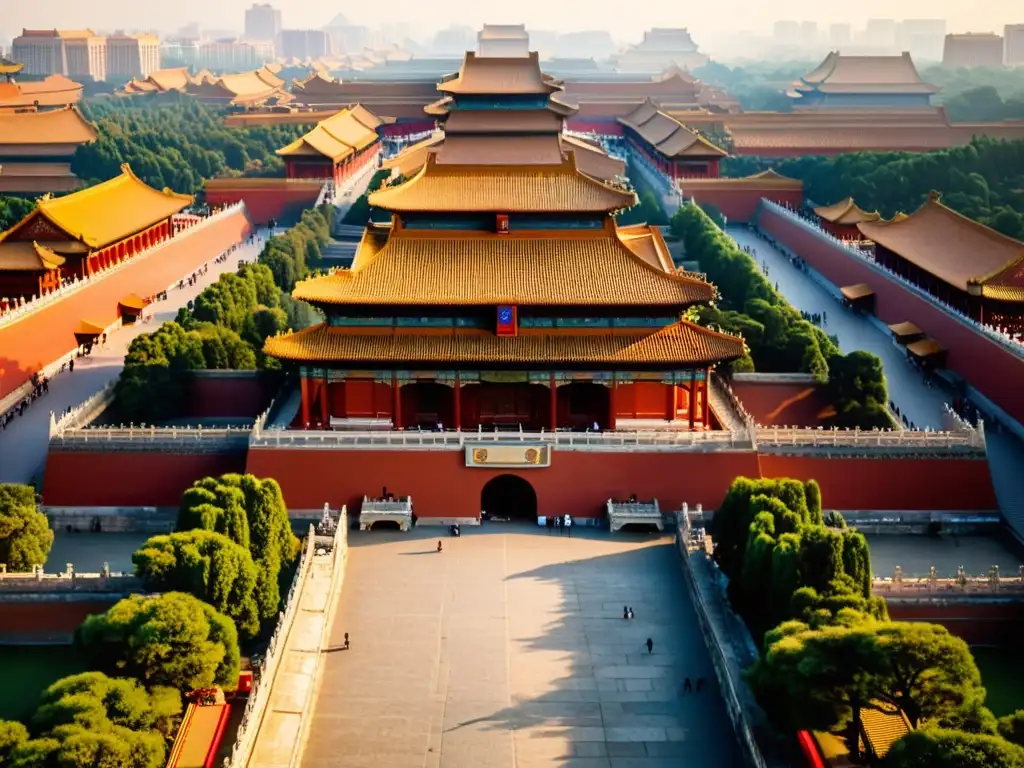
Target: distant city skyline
708, 22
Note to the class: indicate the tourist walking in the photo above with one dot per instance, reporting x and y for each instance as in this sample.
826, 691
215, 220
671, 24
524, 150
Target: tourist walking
650, 649
687, 686
568, 525
558, 524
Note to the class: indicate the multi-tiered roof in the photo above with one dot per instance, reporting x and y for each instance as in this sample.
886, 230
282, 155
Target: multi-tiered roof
499, 212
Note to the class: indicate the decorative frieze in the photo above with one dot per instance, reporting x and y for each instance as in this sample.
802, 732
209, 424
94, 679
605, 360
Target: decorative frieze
511, 455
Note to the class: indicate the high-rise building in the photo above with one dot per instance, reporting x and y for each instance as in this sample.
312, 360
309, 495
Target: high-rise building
179, 52
881, 33
305, 44
262, 22
131, 56
1013, 51
74, 53
924, 38
503, 40
840, 34
808, 32
787, 32
232, 55
973, 49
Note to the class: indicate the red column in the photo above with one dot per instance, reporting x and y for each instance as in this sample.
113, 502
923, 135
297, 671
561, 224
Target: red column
705, 407
325, 411
396, 404
611, 405
554, 402
670, 399
458, 401
304, 388
693, 401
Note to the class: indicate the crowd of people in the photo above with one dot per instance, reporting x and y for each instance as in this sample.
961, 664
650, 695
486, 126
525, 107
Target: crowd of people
40, 387
41, 384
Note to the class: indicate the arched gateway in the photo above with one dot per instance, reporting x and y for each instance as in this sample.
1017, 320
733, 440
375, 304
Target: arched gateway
509, 496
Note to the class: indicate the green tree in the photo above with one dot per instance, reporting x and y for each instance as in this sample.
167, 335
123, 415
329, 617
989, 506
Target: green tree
936, 748
173, 639
12, 735
821, 678
94, 720
25, 535
1011, 727
13, 210
151, 386
221, 504
209, 566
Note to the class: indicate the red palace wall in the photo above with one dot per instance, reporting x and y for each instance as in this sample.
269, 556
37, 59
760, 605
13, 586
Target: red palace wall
995, 372
741, 205
999, 624
46, 335
283, 202
42, 619
81, 479
890, 484
782, 404
578, 482
228, 396
441, 485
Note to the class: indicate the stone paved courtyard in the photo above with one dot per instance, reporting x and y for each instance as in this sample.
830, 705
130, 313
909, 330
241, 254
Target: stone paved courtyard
509, 650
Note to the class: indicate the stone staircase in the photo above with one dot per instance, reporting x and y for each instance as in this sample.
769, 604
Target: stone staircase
722, 406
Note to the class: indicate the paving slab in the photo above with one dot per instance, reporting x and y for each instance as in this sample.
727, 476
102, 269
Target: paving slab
509, 650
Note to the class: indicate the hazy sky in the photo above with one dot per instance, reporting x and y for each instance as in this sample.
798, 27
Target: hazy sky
626, 18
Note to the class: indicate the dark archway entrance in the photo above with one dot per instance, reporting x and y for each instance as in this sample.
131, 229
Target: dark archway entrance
509, 497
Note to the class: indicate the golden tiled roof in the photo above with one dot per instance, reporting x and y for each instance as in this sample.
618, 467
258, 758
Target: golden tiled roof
503, 121
482, 150
957, 250
648, 244
846, 212
865, 74
473, 269
592, 160
170, 79
53, 126
486, 75
667, 135
882, 729
27, 257
109, 211
337, 137
504, 189
679, 344
494, 149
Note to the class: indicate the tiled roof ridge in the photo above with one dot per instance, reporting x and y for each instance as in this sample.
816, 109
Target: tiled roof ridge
364, 261
631, 347
45, 204
432, 169
44, 115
